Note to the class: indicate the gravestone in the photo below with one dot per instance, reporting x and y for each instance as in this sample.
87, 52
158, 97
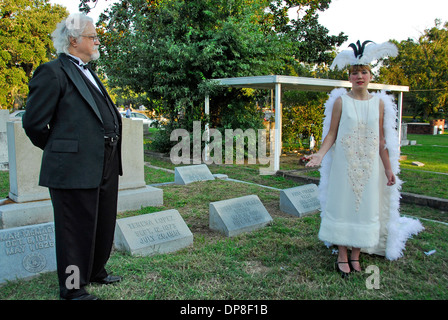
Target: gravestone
4, 117
27, 251
24, 166
234, 216
300, 201
404, 131
193, 173
132, 155
153, 233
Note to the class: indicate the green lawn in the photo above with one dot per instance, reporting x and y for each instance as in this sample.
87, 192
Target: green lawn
430, 150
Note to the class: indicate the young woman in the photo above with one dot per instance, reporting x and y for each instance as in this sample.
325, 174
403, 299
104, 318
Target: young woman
355, 201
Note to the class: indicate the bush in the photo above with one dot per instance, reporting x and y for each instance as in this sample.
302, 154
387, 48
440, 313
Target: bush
302, 117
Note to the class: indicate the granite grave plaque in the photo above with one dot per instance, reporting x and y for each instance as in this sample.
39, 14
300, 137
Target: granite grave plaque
152, 233
27, 251
300, 201
234, 216
193, 173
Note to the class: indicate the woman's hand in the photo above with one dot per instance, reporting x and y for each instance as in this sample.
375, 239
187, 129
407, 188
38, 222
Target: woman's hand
314, 160
390, 177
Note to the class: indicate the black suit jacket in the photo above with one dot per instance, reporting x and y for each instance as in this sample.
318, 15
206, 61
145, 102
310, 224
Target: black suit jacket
63, 119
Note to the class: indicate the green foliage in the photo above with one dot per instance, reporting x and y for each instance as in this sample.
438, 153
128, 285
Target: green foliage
308, 41
241, 114
25, 43
161, 142
302, 117
167, 48
423, 66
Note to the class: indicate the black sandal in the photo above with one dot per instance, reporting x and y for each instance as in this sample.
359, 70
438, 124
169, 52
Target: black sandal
343, 274
351, 266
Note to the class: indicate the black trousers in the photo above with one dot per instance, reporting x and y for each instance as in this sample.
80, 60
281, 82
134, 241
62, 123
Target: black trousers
84, 228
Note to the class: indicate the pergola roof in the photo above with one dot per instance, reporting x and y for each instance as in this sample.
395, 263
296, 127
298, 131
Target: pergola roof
298, 83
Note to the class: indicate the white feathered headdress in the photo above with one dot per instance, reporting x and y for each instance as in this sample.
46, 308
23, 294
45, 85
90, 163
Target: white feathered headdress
364, 54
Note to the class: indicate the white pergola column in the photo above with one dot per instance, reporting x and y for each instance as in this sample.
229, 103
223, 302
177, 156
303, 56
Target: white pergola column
278, 126
400, 115
207, 126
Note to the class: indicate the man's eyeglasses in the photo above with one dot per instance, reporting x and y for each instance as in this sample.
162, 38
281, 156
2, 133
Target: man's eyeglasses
94, 38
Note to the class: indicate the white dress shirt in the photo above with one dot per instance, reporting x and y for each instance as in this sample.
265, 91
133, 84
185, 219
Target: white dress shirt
86, 72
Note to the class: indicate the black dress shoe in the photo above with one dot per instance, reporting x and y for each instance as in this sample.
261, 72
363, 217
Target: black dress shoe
344, 275
351, 266
108, 280
86, 296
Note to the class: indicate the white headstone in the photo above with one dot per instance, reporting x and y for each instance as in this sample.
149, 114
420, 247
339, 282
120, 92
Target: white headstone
24, 166
4, 117
152, 233
193, 173
132, 155
234, 216
27, 251
300, 201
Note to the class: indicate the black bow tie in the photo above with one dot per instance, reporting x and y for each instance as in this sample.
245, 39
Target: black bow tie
77, 62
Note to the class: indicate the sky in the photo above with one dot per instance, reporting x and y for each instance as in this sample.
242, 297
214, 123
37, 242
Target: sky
73, 6
382, 20
375, 20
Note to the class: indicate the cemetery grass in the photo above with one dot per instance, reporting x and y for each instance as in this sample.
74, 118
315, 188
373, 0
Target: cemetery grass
282, 261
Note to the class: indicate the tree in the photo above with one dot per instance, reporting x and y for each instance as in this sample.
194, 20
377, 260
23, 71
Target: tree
168, 48
302, 117
423, 66
309, 41
25, 26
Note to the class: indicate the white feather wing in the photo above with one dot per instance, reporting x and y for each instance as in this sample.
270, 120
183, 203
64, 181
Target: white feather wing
375, 51
343, 59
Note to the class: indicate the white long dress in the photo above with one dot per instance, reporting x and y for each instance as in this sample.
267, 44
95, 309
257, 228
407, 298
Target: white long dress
351, 215
358, 208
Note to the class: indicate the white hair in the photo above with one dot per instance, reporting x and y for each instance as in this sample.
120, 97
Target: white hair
72, 27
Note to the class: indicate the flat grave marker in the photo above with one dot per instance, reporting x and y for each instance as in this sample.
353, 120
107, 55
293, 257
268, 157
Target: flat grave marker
301, 200
152, 233
27, 251
193, 173
234, 216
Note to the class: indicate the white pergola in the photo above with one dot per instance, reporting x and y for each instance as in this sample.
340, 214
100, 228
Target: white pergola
277, 83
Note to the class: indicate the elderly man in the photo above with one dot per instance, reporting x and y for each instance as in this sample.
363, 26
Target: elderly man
70, 115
